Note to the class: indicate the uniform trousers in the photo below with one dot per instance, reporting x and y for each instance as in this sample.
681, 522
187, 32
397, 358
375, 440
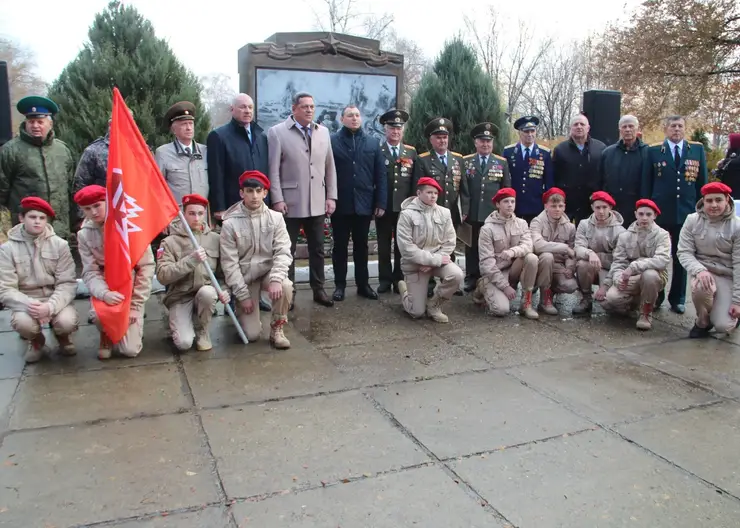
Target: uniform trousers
313, 226
386, 230
344, 227
472, 257
677, 293
641, 288
63, 323
192, 315
415, 301
588, 277
131, 344
523, 269
713, 306
551, 275
251, 323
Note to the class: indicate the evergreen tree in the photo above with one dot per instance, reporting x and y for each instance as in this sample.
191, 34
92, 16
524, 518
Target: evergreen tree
123, 51
700, 135
456, 88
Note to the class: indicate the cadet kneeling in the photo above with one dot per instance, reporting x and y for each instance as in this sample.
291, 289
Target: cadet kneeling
426, 239
506, 258
190, 296
709, 251
37, 280
255, 256
639, 270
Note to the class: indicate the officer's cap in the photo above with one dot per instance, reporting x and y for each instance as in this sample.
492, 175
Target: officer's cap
484, 131
184, 110
394, 118
526, 123
37, 106
438, 125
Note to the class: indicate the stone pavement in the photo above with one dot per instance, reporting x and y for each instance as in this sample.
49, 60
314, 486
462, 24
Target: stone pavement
375, 420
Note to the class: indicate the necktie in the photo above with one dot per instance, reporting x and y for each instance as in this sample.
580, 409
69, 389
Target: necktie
676, 156
307, 133
395, 152
526, 155
249, 135
483, 160
443, 159
188, 151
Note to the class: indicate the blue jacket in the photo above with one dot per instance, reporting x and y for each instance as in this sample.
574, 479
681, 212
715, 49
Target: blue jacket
674, 191
361, 173
530, 181
229, 154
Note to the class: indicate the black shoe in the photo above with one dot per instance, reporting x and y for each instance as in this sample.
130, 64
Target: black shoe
338, 295
459, 293
430, 290
264, 307
384, 287
699, 333
660, 300
367, 292
322, 298
395, 290
678, 308
292, 302
470, 284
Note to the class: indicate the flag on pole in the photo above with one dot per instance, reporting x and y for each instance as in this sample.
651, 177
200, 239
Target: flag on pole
139, 206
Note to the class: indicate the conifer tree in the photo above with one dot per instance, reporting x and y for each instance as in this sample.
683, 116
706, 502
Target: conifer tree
124, 51
456, 88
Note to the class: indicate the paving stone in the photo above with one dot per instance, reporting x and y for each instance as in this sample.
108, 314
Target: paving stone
685, 320
402, 359
7, 389
82, 475
592, 480
11, 355
86, 396
703, 441
214, 517
297, 443
471, 413
608, 389
419, 497
612, 331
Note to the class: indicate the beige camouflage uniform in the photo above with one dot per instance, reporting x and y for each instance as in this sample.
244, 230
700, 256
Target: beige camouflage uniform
551, 241
255, 251
190, 296
92, 254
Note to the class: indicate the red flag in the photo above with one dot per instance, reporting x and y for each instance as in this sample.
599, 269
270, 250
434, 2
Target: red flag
140, 206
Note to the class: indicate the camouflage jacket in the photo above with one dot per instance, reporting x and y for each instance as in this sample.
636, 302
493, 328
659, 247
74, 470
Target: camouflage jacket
93, 165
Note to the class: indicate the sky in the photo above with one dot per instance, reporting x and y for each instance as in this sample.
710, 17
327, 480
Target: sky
207, 35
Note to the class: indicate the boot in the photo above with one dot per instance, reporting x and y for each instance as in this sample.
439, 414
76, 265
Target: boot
546, 302
202, 339
36, 349
434, 309
645, 322
277, 337
66, 348
105, 348
478, 297
402, 288
526, 308
585, 306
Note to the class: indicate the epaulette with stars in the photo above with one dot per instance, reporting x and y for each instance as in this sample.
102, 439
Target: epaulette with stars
469, 156
456, 154
543, 147
424, 155
656, 144
499, 157
510, 146
410, 147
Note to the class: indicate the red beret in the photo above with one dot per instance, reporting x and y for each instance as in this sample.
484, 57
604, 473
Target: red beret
551, 191
428, 181
194, 199
506, 192
644, 202
90, 195
37, 204
715, 188
604, 197
254, 175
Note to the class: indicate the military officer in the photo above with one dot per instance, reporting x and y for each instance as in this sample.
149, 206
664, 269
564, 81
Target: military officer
446, 168
399, 161
684, 161
486, 174
531, 169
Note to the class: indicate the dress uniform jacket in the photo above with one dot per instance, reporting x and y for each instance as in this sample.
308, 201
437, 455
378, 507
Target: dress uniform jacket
400, 174
674, 191
530, 180
184, 174
483, 183
451, 180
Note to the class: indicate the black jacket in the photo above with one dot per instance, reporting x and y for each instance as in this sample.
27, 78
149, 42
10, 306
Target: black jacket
577, 173
620, 171
229, 154
361, 174
729, 174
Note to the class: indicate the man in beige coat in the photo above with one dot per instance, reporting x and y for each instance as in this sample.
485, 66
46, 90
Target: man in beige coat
426, 239
303, 183
596, 238
709, 251
37, 280
506, 258
553, 237
255, 257
190, 297
90, 243
640, 267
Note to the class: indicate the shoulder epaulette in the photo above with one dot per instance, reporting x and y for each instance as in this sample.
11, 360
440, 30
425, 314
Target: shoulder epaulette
469, 156
510, 146
695, 143
424, 155
456, 154
656, 144
543, 147
499, 157
410, 147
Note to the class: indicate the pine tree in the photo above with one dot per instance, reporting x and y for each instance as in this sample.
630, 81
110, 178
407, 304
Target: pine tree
700, 135
123, 51
456, 88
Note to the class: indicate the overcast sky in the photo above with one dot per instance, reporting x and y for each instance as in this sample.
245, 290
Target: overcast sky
207, 35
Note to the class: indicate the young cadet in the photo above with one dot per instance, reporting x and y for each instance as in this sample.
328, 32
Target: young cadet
553, 237
91, 244
639, 270
37, 280
426, 238
596, 238
255, 256
190, 296
709, 251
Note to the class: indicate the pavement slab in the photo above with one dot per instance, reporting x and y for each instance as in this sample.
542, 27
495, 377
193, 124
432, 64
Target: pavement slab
11, 355
87, 474
472, 413
85, 396
612, 332
263, 449
608, 389
423, 497
213, 517
7, 390
594, 479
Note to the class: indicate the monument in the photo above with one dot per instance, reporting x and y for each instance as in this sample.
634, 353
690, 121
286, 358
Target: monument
336, 69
